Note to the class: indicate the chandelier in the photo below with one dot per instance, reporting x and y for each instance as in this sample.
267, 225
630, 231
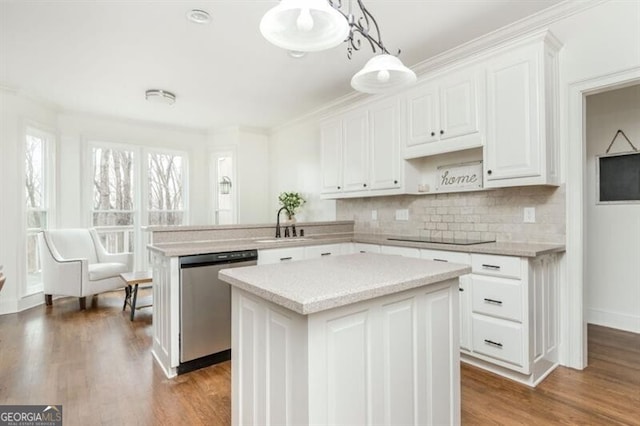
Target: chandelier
314, 25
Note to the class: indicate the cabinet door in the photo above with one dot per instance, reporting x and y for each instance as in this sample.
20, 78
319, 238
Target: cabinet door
422, 115
514, 146
465, 312
355, 143
331, 155
458, 105
385, 145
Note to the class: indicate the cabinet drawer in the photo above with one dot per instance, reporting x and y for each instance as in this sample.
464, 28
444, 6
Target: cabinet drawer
497, 297
446, 256
280, 255
498, 339
366, 248
312, 252
499, 266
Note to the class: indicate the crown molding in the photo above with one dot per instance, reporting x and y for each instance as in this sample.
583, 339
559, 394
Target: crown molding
530, 27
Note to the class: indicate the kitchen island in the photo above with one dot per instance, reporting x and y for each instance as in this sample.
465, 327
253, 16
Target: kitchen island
354, 339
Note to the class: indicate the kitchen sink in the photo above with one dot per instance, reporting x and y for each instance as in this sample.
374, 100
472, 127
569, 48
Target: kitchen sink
283, 240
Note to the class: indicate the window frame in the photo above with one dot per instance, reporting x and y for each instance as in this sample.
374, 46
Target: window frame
49, 137
140, 184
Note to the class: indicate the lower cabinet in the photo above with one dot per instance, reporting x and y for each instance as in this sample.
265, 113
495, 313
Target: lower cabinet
514, 316
508, 311
508, 305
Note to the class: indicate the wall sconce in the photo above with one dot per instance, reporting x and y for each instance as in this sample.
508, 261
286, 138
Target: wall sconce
225, 185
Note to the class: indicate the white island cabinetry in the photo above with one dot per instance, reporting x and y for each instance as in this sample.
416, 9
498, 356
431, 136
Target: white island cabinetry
354, 339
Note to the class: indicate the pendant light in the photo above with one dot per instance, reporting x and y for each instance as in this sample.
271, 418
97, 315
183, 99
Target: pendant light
304, 25
382, 73
313, 25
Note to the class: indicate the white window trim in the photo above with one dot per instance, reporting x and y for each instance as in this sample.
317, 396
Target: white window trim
49, 161
140, 181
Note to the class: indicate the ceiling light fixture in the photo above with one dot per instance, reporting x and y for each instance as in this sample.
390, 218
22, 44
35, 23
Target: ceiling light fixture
160, 96
199, 16
313, 25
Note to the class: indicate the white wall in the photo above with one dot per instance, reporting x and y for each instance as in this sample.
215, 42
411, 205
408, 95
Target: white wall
613, 231
251, 147
77, 130
16, 112
294, 164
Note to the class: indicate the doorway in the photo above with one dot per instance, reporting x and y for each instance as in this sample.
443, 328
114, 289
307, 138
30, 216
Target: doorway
574, 324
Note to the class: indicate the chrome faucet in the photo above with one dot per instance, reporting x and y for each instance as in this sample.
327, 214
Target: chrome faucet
278, 221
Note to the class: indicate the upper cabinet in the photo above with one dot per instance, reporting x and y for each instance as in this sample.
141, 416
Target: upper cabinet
344, 153
444, 114
499, 108
360, 152
522, 104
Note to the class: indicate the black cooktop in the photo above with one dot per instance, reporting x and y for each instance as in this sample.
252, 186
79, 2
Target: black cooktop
458, 241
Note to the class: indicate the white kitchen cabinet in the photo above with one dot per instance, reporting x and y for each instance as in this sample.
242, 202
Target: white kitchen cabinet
344, 147
512, 309
355, 143
277, 255
444, 114
464, 287
384, 128
366, 248
311, 252
331, 155
522, 108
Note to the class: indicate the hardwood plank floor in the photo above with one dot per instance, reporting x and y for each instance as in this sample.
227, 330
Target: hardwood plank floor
98, 365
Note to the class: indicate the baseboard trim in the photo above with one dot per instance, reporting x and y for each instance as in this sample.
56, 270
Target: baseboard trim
615, 320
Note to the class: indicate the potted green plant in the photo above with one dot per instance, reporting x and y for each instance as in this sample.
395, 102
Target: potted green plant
292, 201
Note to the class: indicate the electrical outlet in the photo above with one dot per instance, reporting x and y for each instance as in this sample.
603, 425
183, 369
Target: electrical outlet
529, 215
374, 214
402, 214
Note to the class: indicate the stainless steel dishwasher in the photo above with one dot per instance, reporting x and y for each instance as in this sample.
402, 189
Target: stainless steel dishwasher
205, 307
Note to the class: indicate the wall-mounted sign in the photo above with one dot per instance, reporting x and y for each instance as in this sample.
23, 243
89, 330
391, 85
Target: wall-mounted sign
459, 176
618, 178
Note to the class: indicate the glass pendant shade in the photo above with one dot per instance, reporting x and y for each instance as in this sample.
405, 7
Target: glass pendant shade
382, 73
304, 25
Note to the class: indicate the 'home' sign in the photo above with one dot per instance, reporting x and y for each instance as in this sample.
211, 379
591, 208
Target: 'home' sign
459, 176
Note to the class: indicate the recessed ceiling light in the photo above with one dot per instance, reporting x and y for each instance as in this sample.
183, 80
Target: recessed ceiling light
160, 96
296, 54
199, 16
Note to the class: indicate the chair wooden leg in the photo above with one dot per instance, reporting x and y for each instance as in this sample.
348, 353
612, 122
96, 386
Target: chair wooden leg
83, 303
48, 299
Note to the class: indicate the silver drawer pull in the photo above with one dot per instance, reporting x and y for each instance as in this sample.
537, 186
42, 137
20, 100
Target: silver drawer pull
440, 260
282, 259
325, 254
492, 343
493, 301
492, 267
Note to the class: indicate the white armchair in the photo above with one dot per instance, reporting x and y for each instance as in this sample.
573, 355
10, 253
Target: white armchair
74, 263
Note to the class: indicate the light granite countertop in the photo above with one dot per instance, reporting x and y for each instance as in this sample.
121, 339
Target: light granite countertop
311, 286
216, 246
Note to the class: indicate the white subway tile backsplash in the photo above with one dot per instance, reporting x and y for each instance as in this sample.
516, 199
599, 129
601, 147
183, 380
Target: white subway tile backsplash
475, 215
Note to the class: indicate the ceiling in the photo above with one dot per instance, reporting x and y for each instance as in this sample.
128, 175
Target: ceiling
99, 57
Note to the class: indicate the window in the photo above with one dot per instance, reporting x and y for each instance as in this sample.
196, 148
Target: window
165, 186
113, 212
120, 206
38, 190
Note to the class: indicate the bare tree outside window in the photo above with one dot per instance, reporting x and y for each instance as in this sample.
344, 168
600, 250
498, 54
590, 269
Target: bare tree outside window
37, 207
165, 196
113, 202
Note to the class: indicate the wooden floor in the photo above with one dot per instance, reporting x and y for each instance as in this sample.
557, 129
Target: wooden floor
98, 365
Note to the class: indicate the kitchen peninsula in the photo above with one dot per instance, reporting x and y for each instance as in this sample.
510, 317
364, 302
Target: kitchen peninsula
508, 303
353, 339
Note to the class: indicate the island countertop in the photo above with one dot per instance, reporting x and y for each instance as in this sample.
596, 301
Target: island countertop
311, 286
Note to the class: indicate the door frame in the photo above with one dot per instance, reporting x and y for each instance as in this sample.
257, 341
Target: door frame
574, 325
